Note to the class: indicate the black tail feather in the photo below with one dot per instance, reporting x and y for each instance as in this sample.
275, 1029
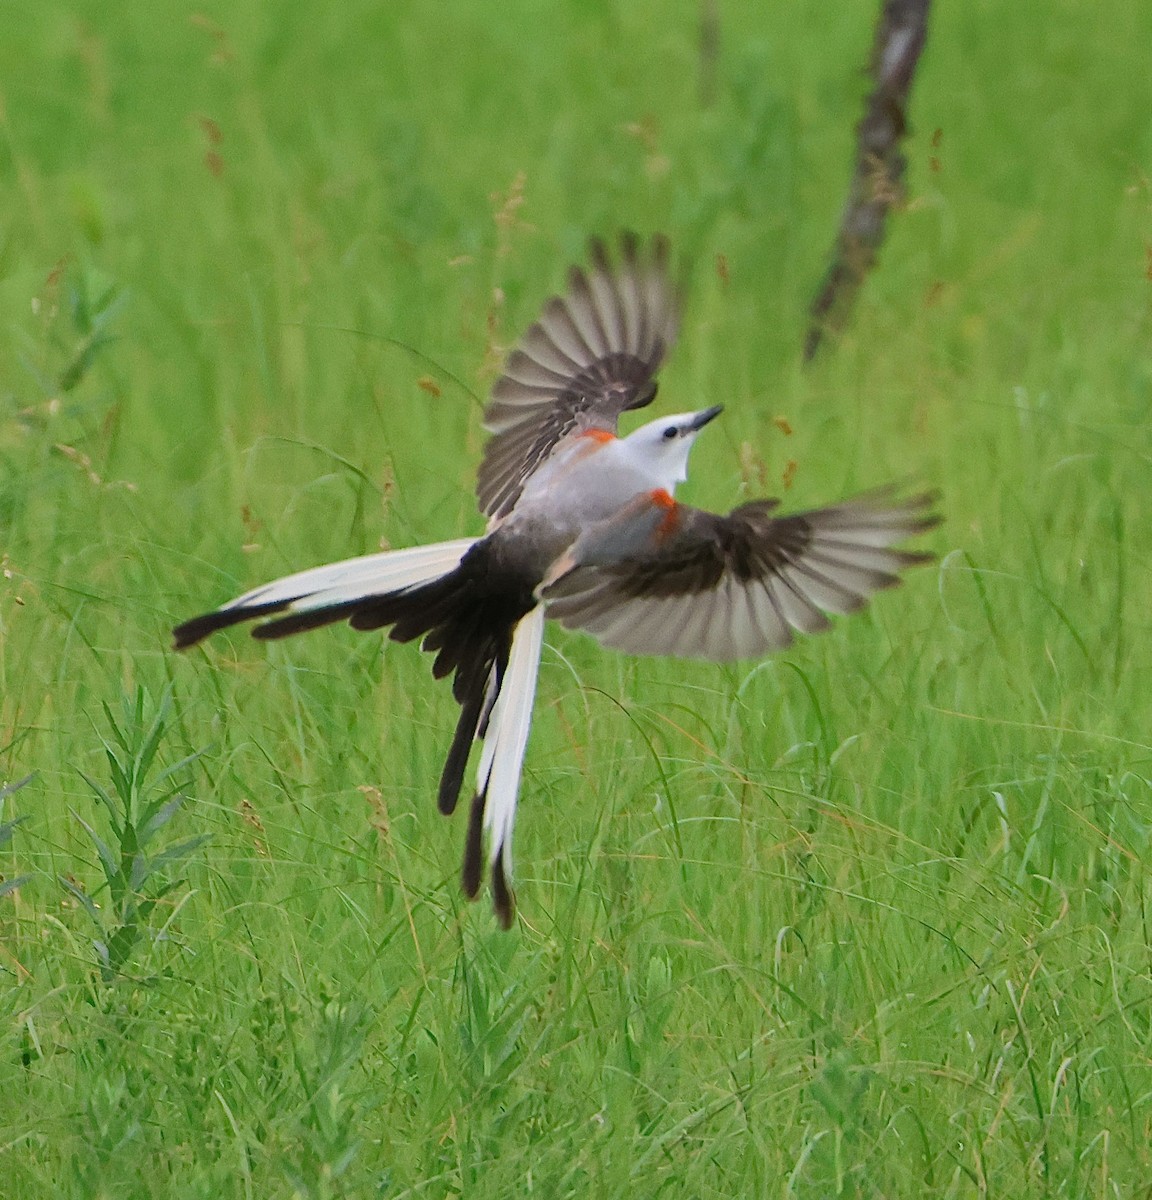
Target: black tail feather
302, 622
414, 610
452, 777
472, 874
503, 901
198, 628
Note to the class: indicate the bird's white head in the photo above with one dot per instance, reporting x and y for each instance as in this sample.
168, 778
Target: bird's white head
661, 447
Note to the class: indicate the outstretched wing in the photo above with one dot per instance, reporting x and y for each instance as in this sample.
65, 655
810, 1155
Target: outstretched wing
666, 579
592, 355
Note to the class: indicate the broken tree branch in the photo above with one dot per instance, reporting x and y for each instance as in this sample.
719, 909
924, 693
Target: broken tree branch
877, 184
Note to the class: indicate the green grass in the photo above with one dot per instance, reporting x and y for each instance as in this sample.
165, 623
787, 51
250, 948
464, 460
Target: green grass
868, 919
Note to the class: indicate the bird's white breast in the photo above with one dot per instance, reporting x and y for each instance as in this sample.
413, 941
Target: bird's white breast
586, 480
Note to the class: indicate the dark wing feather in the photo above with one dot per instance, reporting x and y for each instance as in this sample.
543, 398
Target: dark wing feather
591, 356
694, 584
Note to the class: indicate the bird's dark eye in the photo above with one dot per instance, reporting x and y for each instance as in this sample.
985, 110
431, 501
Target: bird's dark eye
670, 433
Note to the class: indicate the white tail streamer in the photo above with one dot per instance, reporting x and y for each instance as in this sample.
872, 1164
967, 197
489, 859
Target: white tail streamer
503, 756
369, 575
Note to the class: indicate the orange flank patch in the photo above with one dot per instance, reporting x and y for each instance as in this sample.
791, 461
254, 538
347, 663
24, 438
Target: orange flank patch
599, 435
663, 499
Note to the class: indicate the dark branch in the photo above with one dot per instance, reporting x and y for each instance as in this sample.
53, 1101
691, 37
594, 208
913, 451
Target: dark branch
877, 184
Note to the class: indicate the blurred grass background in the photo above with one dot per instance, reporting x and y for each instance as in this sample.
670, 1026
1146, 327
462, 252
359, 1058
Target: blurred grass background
867, 919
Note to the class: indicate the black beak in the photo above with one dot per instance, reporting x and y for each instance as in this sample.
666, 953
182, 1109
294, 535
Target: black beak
702, 418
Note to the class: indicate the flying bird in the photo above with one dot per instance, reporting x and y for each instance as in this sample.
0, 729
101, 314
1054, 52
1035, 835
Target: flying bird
584, 527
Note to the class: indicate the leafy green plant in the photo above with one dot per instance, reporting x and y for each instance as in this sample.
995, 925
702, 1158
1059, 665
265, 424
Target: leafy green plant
93, 304
78, 310
136, 878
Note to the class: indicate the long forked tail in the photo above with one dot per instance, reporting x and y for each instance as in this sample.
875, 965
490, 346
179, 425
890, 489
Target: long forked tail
484, 626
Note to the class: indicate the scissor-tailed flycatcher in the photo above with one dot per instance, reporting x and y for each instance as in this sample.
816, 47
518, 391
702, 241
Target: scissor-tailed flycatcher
583, 526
